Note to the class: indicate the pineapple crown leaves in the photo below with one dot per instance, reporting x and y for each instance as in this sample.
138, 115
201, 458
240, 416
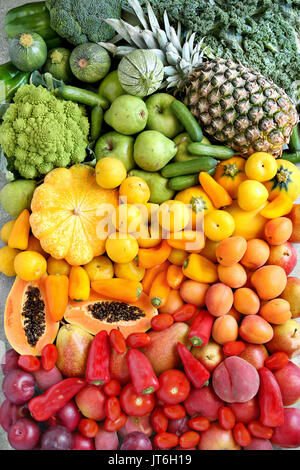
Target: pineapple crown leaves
179, 55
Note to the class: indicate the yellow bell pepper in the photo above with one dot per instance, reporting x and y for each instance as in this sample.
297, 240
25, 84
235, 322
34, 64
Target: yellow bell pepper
280, 206
198, 268
79, 284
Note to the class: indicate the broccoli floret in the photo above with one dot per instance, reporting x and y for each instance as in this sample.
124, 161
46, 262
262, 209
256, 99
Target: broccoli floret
41, 132
79, 21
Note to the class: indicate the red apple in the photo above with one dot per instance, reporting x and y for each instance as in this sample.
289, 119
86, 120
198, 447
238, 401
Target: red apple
209, 355
245, 412
288, 379
288, 435
292, 294
283, 255
286, 338
217, 438
259, 444
256, 354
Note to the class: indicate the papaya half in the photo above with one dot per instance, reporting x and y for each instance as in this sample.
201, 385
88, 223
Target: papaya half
27, 322
101, 313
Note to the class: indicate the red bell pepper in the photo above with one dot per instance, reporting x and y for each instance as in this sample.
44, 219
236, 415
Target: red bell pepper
49, 356
43, 407
201, 327
97, 367
141, 372
270, 399
195, 371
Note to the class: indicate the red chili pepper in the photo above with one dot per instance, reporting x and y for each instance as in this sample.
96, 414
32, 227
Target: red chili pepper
138, 340
189, 439
117, 341
257, 429
113, 426
166, 440
201, 327
159, 420
97, 367
277, 360
112, 408
112, 388
49, 356
199, 423
226, 417
174, 411
161, 321
185, 313
241, 435
233, 348
195, 371
141, 372
88, 427
29, 363
58, 395
270, 399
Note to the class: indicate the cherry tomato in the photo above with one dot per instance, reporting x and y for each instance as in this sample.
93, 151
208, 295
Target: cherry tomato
277, 360
226, 418
189, 439
161, 321
257, 429
117, 341
159, 420
49, 356
112, 388
134, 404
88, 427
174, 411
138, 340
29, 363
199, 423
166, 440
233, 348
112, 408
185, 313
113, 426
241, 435
174, 387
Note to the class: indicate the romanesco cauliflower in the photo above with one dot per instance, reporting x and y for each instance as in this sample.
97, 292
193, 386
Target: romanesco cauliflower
41, 132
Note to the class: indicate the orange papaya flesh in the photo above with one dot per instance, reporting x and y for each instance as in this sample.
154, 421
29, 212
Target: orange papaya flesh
27, 321
101, 313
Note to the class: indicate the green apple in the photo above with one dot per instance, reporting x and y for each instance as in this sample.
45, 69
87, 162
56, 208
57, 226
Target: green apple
110, 87
153, 150
161, 117
127, 115
118, 146
182, 141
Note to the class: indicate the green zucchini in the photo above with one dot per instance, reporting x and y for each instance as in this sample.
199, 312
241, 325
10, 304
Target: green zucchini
58, 65
188, 121
10, 80
217, 151
179, 183
30, 18
294, 144
291, 157
28, 51
191, 166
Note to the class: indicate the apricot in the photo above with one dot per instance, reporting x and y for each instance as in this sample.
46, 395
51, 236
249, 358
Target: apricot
278, 231
246, 301
256, 255
225, 328
231, 250
193, 292
276, 311
254, 329
233, 276
219, 299
235, 314
269, 281
174, 302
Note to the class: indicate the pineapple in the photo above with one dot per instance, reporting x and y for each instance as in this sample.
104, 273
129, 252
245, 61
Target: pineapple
233, 104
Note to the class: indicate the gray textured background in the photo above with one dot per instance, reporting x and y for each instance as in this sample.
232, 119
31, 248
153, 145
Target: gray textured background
5, 283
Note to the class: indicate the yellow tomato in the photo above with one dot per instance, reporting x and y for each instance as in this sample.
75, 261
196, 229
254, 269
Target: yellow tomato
121, 248
100, 267
58, 266
149, 238
128, 218
261, 166
230, 173
135, 189
251, 195
7, 257
199, 203
286, 180
129, 271
218, 225
110, 172
173, 216
5, 231
30, 265
248, 224
178, 256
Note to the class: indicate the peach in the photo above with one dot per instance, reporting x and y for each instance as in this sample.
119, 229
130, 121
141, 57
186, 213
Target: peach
255, 354
233, 276
217, 438
254, 329
91, 402
283, 255
210, 355
256, 255
288, 378
269, 281
219, 299
231, 250
235, 380
246, 301
291, 293
193, 292
278, 231
225, 328
286, 338
276, 311
247, 411
203, 401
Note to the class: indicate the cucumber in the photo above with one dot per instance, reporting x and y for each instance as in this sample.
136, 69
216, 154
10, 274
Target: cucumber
191, 166
96, 122
291, 157
294, 144
179, 183
187, 120
217, 151
82, 96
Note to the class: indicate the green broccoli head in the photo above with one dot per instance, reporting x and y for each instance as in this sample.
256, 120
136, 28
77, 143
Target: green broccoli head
79, 21
41, 132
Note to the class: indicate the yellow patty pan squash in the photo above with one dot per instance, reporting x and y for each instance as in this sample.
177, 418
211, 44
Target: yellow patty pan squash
65, 214
286, 181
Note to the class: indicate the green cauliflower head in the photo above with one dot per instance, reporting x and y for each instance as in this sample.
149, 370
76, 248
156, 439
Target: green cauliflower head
41, 132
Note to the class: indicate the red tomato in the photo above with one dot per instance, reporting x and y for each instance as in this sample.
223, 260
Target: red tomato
174, 411
138, 340
112, 408
277, 360
88, 427
166, 440
226, 417
29, 363
112, 388
189, 439
241, 435
113, 426
159, 420
161, 321
257, 429
49, 356
199, 423
134, 404
233, 348
174, 387
185, 313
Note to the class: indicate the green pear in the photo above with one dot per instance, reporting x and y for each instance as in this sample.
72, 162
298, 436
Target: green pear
161, 117
16, 196
182, 141
110, 87
118, 146
153, 150
158, 185
127, 115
